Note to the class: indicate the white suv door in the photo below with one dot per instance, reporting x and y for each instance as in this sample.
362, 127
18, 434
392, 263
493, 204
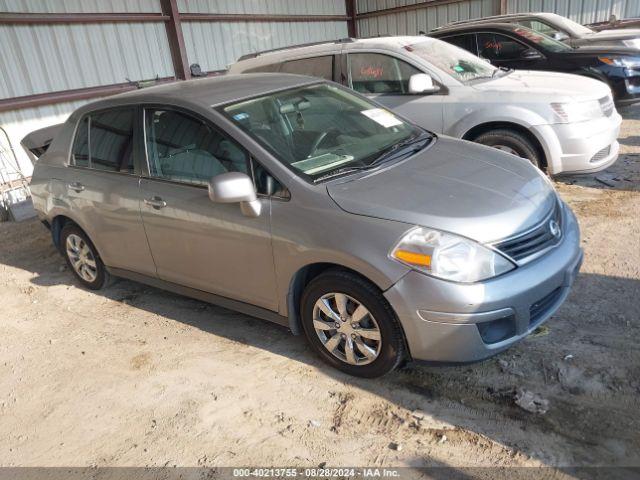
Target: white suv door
385, 79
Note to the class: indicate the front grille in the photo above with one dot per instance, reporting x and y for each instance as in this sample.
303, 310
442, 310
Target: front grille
606, 104
601, 155
545, 235
542, 306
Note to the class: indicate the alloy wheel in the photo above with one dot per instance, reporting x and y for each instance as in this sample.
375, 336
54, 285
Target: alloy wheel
82, 258
347, 329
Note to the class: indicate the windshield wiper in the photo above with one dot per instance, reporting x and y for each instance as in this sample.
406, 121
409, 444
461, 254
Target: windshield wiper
339, 171
393, 150
386, 154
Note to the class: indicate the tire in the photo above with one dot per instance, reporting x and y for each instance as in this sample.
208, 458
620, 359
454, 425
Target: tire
76, 246
511, 141
333, 286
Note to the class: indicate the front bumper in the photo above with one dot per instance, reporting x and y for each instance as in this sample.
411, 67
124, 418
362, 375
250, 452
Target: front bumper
443, 320
581, 147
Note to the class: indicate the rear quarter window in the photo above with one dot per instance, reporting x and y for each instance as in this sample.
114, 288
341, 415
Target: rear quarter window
104, 141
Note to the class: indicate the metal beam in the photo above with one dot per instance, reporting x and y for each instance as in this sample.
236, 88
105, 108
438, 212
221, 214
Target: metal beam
176, 39
352, 25
238, 17
405, 8
40, 99
504, 7
53, 18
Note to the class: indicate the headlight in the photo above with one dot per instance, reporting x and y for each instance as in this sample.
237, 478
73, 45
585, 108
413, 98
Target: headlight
627, 62
578, 111
448, 256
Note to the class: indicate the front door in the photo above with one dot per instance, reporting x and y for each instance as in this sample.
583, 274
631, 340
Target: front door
504, 51
385, 79
197, 243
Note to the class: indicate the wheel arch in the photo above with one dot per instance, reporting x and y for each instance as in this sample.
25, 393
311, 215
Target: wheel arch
299, 281
481, 128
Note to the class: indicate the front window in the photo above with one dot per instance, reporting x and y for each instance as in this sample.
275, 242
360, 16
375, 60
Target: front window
460, 64
376, 73
322, 130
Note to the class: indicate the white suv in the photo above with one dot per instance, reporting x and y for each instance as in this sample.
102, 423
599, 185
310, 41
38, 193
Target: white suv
561, 122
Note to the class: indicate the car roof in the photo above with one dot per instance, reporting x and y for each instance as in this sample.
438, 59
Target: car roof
510, 27
497, 19
210, 91
319, 47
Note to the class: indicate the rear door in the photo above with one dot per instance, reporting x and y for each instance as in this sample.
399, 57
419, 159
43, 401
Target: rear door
385, 79
197, 243
102, 188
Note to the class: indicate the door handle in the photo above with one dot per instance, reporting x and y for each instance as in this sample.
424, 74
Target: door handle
155, 202
78, 187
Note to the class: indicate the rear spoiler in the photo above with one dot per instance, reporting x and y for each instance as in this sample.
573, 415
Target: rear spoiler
38, 141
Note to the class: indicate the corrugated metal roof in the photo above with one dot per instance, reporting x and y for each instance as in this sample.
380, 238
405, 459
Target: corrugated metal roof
47, 58
426, 19
80, 6
273, 7
582, 11
216, 45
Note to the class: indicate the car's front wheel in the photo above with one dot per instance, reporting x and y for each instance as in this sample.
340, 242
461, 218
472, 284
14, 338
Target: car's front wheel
511, 141
350, 325
82, 257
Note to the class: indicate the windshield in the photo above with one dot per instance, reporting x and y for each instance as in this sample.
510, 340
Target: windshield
569, 25
321, 129
544, 41
460, 64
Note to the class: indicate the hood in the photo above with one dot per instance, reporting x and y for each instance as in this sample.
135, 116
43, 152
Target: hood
620, 34
592, 50
551, 84
456, 186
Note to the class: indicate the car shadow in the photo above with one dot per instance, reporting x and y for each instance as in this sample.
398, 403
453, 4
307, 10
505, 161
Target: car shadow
584, 362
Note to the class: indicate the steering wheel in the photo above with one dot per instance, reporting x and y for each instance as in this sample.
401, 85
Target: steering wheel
332, 133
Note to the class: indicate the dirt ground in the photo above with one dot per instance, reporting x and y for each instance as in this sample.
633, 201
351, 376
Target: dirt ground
133, 376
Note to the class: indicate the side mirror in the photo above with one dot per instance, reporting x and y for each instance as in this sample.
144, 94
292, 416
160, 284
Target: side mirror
560, 36
531, 54
235, 187
422, 83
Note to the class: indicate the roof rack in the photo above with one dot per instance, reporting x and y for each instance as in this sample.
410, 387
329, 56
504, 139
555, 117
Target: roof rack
325, 42
474, 20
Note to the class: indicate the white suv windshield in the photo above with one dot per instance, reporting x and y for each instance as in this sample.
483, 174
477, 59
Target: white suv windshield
460, 64
321, 130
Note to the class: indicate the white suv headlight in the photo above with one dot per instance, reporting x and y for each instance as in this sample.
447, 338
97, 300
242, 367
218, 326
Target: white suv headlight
577, 111
448, 256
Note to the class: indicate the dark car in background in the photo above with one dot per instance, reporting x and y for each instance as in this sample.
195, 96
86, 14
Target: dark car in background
517, 47
563, 29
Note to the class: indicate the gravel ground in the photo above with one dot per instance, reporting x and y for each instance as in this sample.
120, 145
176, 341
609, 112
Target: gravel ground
132, 376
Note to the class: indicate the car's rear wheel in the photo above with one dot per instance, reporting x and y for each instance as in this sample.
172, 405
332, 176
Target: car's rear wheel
511, 141
82, 258
350, 325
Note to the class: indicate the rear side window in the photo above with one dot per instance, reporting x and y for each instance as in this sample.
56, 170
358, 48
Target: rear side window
378, 73
104, 141
321, 67
466, 42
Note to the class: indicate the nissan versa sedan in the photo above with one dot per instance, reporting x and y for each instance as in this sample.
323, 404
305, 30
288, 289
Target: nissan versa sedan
301, 202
